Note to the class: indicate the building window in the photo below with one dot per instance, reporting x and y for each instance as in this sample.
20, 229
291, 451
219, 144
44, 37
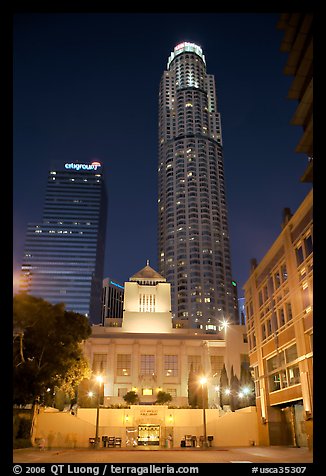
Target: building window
277, 279
171, 365
275, 362
308, 245
288, 311
256, 379
286, 376
284, 273
299, 255
281, 317
147, 302
123, 364
147, 391
147, 364
294, 375
274, 382
254, 343
172, 392
260, 297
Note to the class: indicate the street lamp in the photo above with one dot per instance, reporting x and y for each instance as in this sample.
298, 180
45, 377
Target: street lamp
203, 381
224, 324
244, 394
99, 380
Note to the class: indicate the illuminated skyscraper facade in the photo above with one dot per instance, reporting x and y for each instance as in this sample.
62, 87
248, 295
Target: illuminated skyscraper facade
64, 254
193, 237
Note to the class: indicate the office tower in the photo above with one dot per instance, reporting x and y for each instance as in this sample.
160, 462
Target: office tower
64, 254
193, 238
112, 302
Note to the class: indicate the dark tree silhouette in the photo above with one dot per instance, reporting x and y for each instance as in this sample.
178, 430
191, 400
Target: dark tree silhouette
234, 387
247, 381
47, 352
131, 397
224, 384
192, 388
163, 397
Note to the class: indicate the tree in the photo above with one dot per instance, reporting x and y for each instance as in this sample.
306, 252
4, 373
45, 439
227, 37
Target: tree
131, 397
192, 388
247, 382
163, 397
234, 388
224, 385
47, 351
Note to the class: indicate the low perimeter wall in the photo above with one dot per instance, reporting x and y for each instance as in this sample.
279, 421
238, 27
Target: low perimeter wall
64, 430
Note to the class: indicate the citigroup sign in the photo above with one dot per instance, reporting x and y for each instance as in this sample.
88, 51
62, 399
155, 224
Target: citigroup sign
92, 166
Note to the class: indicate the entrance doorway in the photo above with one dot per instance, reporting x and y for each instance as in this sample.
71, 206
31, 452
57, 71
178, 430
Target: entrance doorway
148, 434
292, 418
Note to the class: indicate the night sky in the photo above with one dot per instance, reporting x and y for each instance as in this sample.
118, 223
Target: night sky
85, 86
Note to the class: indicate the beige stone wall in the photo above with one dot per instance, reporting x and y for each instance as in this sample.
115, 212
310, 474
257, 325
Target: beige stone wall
60, 429
158, 321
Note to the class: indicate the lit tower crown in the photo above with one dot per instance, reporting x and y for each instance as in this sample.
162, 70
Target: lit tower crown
193, 239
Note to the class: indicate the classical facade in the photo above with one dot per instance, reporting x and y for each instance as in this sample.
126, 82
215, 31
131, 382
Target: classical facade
147, 354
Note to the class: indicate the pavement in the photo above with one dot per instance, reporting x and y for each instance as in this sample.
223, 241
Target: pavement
144, 455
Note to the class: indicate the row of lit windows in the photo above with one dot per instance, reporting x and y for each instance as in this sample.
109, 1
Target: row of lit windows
281, 370
304, 249
280, 317
147, 302
147, 364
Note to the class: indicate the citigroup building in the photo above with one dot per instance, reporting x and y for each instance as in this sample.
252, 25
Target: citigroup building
64, 253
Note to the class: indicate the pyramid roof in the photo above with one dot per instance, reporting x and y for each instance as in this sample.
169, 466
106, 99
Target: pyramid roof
147, 273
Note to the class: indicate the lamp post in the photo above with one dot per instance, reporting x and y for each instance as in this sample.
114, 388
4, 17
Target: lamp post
99, 380
203, 381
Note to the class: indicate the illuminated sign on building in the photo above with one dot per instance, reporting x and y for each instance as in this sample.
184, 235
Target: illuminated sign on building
74, 166
116, 284
186, 46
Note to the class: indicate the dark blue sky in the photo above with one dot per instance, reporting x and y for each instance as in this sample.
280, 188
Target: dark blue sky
85, 85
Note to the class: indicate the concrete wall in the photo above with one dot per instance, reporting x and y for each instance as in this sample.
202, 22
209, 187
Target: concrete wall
61, 429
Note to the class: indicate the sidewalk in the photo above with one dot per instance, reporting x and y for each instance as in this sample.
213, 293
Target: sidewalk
252, 454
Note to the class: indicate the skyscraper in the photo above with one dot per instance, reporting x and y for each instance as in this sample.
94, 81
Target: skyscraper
193, 237
112, 302
64, 254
